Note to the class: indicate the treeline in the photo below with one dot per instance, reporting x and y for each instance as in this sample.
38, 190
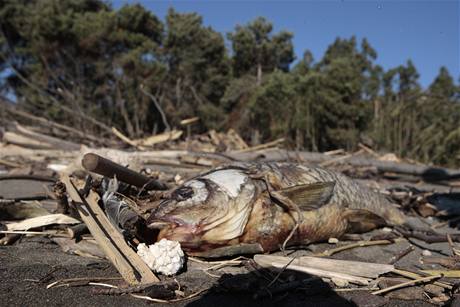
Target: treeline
90, 66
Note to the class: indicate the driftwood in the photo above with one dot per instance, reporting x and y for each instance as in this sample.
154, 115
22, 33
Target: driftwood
268, 261
102, 166
51, 124
356, 268
45, 140
127, 262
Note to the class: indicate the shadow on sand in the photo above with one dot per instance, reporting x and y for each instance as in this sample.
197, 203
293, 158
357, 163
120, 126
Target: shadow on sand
291, 289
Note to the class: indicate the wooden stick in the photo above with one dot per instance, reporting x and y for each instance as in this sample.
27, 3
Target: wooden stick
333, 251
261, 146
9, 164
127, 262
412, 275
125, 139
400, 255
405, 284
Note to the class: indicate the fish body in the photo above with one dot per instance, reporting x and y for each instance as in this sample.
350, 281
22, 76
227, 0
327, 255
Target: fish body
245, 208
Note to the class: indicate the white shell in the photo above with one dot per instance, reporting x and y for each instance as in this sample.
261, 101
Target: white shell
165, 257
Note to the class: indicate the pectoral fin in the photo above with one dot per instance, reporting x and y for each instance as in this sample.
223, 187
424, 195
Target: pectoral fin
360, 220
310, 196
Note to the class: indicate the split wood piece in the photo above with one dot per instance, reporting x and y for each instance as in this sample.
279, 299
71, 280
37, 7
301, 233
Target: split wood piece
409, 283
159, 138
261, 146
102, 166
189, 121
333, 251
267, 262
356, 268
40, 221
125, 139
236, 139
127, 262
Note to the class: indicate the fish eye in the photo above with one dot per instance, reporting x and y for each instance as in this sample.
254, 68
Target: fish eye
182, 193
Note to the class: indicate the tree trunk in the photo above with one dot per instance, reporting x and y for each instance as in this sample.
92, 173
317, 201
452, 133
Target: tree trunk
259, 74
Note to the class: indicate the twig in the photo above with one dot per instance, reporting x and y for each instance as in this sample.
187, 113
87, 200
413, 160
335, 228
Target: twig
148, 298
400, 255
355, 289
408, 283
88, 279
261, 146
333, 251
279, 273
125, 139
413, 275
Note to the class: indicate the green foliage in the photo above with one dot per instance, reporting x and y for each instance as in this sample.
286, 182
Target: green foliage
73, 60
257, 50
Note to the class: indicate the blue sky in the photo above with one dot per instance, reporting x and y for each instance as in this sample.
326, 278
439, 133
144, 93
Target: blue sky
427, 32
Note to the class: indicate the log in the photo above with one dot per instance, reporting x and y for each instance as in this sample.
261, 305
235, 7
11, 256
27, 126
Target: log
102, 166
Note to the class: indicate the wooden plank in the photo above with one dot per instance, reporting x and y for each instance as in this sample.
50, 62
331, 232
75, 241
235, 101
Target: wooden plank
112, 247
146, 274
266, 262
357, 268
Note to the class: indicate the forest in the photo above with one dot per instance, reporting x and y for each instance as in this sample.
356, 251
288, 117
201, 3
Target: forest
92, 67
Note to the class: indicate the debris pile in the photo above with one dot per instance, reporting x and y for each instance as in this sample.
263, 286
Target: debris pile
92, 197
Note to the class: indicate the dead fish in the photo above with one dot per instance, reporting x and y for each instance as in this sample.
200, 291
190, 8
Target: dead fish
248, 208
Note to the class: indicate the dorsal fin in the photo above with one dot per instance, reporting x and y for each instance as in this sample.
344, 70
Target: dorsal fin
309, 196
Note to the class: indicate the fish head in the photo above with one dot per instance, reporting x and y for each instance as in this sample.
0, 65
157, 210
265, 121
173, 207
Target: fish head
205, 210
